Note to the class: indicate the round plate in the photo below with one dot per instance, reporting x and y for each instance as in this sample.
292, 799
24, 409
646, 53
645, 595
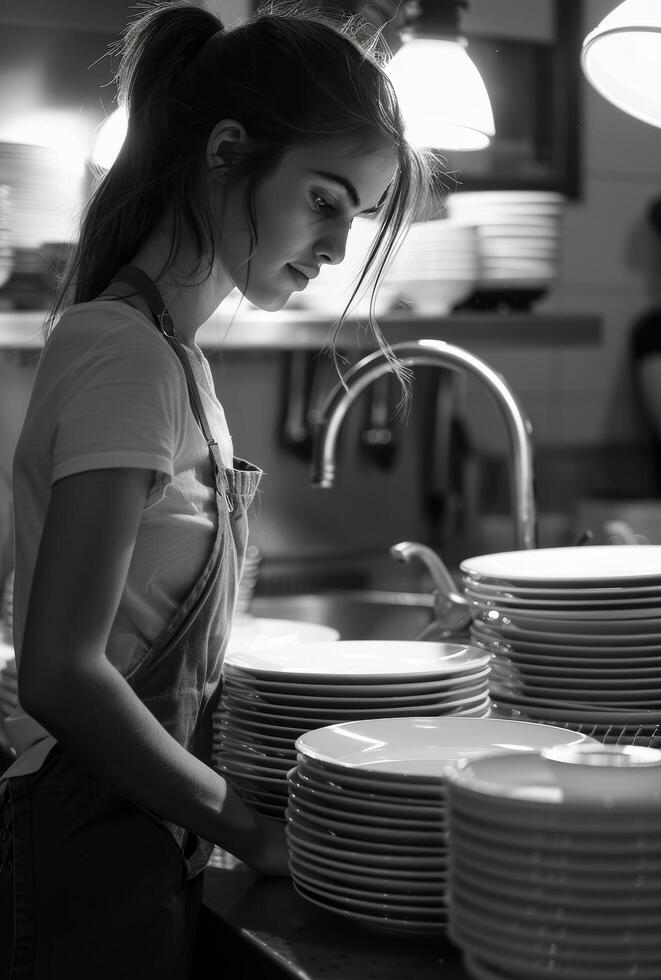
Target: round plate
406, 862
422, 747
576, 710
365, 902
576, 594
386, 660
260, 634
310, 803
331, 794
358, 829
556, 623
589, 567
644, 606
509, 634
354, 865
529, 777
284, 687
381, 923
366, 879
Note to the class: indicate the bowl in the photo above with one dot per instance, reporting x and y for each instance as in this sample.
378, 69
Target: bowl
616, 774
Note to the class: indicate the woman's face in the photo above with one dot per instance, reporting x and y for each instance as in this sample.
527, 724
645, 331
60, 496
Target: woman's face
304, 210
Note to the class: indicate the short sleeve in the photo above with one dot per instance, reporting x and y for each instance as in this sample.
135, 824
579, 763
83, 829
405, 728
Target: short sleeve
121, 408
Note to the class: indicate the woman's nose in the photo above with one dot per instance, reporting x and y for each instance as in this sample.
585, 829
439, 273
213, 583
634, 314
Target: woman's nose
332, 248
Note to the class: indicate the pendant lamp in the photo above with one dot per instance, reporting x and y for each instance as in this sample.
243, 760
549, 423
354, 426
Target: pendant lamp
621, 58
443, 98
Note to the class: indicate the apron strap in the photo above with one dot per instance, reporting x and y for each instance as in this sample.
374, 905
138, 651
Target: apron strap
163, 321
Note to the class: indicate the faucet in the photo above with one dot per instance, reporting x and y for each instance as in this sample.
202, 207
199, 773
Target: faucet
434, 353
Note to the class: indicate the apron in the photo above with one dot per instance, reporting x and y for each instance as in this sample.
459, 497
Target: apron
98, 886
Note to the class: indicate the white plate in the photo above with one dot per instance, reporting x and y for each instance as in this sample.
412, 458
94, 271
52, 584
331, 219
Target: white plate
425, 902
307, 721
422, 747
433, 866
260, 634
366, 879
513, 633
359, 829
555, 880
291, 702
377, 659
376, 866
563, 567
516, 619
381, 923
598, 608
243, 681
611, 591
531, 777
572, 709
561, 961
369, 804
402, 846
425, 790
558, 839
366, 902
643, 651
576, 618
611, 950
312, 803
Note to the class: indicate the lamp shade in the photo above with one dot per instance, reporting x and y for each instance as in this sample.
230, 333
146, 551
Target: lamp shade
442, 96
621, 58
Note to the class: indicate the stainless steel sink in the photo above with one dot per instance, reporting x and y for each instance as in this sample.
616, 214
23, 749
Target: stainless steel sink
357, 614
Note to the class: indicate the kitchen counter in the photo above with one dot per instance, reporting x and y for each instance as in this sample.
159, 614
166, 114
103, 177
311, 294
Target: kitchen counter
261, 929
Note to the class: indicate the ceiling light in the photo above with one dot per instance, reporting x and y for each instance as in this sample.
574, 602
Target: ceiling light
621, 58
443, 98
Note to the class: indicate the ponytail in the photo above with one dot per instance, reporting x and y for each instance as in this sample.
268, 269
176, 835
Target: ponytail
157, 51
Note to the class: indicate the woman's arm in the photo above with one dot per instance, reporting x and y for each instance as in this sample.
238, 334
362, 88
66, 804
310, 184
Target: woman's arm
67, 683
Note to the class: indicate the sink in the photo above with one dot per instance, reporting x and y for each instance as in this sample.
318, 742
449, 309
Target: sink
358, 614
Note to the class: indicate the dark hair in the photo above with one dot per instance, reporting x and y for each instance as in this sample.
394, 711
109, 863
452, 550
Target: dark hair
290, 76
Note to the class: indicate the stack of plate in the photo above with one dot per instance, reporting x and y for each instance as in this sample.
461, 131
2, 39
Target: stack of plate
45, 196
436, 266
273, 695
575, 635
519, 236
367, 817
554, 864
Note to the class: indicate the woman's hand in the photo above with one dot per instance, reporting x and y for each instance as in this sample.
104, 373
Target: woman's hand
271, 855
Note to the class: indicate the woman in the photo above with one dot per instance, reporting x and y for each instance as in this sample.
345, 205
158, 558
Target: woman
248, 154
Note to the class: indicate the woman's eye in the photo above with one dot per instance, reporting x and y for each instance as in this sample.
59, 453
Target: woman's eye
321, 203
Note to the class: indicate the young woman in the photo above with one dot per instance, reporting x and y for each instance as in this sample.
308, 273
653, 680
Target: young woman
248, 154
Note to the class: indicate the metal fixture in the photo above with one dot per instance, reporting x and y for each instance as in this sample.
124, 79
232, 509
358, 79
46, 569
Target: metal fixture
434, 353
452, 613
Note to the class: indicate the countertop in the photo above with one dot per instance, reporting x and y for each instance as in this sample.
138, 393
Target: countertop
261, 929
305, 330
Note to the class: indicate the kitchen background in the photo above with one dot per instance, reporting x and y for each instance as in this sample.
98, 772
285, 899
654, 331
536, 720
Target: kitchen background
568, 360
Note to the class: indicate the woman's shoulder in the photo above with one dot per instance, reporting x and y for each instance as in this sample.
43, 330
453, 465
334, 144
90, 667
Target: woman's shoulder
102, 329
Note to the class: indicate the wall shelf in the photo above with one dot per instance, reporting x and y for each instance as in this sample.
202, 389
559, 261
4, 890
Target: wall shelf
304, 330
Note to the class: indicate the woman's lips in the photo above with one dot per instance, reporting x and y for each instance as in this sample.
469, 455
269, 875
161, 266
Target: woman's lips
300, 280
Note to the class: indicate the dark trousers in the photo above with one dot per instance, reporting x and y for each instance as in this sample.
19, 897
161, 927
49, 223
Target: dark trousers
92, 885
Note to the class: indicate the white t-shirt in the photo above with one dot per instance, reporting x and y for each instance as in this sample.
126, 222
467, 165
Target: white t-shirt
110, 392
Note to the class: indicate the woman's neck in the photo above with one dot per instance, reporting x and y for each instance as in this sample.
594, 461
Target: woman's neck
190, 300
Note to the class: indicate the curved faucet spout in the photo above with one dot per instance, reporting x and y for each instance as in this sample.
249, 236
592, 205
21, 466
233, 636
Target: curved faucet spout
435, 353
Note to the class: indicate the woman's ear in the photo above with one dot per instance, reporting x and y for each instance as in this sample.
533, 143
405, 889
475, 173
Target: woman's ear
227, 142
